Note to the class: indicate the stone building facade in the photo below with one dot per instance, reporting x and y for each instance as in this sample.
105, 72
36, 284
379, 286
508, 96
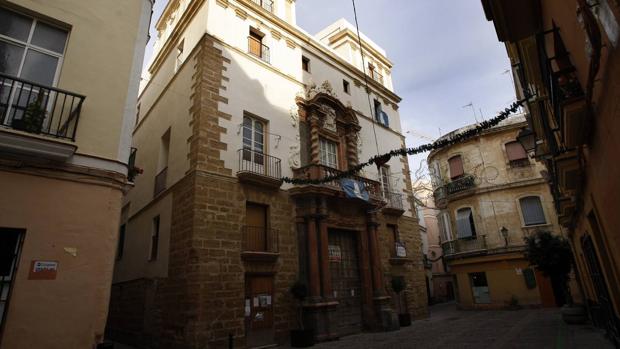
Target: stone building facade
491, 196
212, 237
566, 53
69, 76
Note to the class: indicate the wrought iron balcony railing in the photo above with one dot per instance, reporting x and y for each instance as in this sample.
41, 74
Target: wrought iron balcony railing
376, 76
394, 200
315, 171
259, 239
39, 109
465, 245
256, 48
258, 163
266, 4
463, 183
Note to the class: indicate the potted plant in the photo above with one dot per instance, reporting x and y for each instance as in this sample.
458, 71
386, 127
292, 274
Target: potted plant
551, 255
34, 115
398, 286
301, 338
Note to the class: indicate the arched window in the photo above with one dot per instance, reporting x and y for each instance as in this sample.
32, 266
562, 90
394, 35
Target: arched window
456, 166
465, 223
532, 211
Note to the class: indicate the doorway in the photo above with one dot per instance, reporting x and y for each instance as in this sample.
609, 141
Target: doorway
346, 281
10, 246
259, 310
480, 288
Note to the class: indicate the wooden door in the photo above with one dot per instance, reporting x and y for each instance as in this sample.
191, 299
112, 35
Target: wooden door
346, 281
256, 227
259, 310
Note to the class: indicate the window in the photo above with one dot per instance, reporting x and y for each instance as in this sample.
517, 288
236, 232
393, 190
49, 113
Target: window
380, 115
256, 46
346, 87
385, 181
10, 246
444, 227
253, 139
305, 64
456, 167
532, 211
179, 58
465, 227
516, 154
29, 48
328, 153
137, 115
256, 227
480, 288
162, 165
121, 243
154, 239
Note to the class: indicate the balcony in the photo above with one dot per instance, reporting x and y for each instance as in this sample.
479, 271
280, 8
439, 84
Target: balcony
468, 246
160, 182
259, 244
394, 204
376, 76
460, 184
37, 110
256, 48
258, 168
569, 104
266, 4
316, 172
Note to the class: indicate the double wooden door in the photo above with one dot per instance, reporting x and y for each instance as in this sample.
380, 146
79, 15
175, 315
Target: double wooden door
259, 310
346, 282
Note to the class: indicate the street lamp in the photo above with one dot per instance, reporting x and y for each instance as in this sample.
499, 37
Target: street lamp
527, 138
504, 232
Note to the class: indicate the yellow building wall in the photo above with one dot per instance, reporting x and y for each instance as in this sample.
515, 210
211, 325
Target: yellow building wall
70, 311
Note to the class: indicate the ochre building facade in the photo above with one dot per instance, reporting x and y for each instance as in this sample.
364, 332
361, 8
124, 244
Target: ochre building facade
491, 196
69, 76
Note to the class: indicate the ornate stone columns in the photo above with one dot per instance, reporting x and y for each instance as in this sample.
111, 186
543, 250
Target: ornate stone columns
326, 280
375, 258
313, 257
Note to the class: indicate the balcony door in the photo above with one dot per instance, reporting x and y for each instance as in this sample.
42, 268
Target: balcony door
253, 145
31, 50
256, 227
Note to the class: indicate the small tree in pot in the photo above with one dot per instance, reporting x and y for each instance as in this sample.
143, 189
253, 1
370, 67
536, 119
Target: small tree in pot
551, 255
301, 338
399, 285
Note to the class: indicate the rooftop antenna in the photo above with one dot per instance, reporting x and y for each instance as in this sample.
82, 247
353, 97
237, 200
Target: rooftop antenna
471, 105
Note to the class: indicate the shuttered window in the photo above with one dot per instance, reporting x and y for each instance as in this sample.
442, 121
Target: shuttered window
444, 227
516, 154
456, 166
465, 223
532, 211
328, 153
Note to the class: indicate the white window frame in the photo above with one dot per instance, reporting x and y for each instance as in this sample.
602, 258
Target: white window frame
328, 151
254, 132
386, 183
27, 45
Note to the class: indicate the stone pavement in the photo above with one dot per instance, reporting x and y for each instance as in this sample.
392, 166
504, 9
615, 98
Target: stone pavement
450, 328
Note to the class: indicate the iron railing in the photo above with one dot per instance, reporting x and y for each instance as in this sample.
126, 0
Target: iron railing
463, 183
259, 239
376, 76
259, 163
256, 48
317, 171
465, 245
266, 4
39, 109
394, 200
160, 181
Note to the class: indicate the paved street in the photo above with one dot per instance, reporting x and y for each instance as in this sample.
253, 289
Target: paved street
449, 328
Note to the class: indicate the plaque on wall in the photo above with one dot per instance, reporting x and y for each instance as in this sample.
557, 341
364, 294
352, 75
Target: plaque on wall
401, 252
335, 255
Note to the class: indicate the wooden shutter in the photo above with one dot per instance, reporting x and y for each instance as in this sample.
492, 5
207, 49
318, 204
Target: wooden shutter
456, 166
256, 227
532, 211
463, 223
515, 151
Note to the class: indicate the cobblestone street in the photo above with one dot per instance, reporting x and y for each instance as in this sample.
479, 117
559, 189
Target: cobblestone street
449, 328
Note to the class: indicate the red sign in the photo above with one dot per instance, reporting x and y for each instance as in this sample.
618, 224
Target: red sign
43, 270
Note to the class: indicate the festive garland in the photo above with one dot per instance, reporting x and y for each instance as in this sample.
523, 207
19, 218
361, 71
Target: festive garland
438, 144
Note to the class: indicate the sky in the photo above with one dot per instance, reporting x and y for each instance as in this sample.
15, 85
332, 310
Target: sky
445, 54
